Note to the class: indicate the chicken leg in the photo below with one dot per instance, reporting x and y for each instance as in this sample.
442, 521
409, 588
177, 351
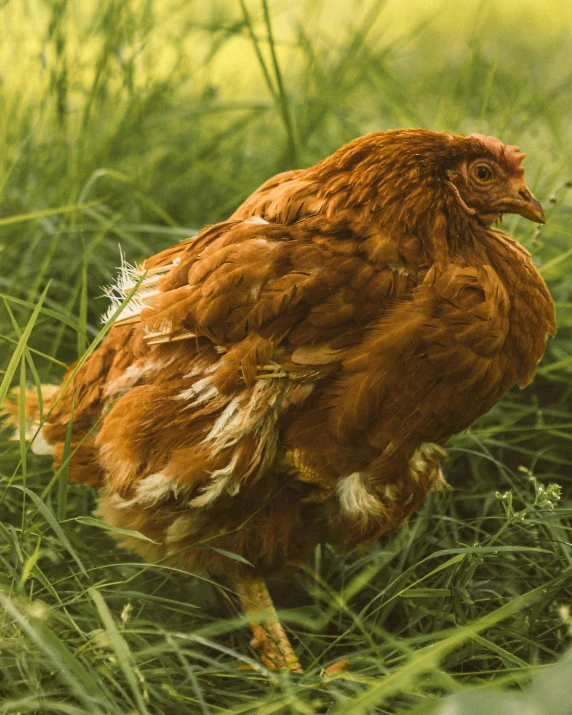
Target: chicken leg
269, 635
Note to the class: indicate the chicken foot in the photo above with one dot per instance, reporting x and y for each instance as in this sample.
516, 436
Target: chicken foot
270, 637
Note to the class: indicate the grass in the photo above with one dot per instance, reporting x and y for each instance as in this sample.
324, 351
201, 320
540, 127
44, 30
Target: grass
133, 125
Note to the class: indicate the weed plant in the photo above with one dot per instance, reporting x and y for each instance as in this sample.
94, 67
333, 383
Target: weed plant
132, 124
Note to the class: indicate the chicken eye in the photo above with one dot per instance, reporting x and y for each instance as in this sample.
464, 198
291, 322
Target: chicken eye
483, 173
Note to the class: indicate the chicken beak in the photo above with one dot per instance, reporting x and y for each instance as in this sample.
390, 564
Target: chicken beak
521, 201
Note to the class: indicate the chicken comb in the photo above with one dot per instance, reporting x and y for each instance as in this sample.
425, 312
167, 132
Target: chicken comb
509, 152
514, 156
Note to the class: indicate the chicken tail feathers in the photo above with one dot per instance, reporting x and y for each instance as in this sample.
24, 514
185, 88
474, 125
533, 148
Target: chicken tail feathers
27, 409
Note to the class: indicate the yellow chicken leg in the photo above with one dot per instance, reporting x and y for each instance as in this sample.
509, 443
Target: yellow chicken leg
269, 635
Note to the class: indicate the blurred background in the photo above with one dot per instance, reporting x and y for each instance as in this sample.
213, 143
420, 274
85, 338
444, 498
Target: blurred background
129, 125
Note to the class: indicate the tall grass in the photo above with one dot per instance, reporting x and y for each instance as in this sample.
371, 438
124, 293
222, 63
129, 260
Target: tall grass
133, 124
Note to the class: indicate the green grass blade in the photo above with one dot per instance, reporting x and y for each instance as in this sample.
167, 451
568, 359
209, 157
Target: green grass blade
63, 472
82, 316
66, 320
33, 351
258, 52
35, 215
283, 101
92, 521
22, 435
68, 668
48, 515
121, 649
22, 343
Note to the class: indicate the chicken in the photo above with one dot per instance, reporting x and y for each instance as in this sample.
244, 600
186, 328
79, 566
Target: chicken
297, 369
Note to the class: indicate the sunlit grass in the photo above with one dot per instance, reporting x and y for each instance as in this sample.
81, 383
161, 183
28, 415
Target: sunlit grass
133, 125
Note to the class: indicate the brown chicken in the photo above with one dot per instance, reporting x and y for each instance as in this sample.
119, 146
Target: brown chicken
300, 366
